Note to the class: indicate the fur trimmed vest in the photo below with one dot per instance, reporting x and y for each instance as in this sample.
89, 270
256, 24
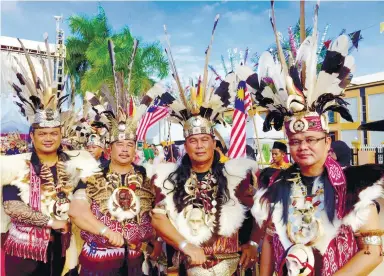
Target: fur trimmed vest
232, 213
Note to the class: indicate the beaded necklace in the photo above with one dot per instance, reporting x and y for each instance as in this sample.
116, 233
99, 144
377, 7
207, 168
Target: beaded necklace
304, 224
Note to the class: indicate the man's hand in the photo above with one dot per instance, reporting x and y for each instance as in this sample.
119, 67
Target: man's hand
248, 256
157, 250
114, 238
61, 225
195, 253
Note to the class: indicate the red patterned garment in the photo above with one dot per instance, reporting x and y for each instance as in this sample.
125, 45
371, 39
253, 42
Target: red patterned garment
100, 255
340, 250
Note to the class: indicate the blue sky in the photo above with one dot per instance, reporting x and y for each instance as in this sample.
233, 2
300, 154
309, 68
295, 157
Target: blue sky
242, 24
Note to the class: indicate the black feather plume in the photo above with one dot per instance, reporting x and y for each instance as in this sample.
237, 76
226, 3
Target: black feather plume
275, 117
253, 81
36, 102
21, 78
333, 62
109, 114
16, 88
321, 101
223, 92
342, 110
62, 100
22, 109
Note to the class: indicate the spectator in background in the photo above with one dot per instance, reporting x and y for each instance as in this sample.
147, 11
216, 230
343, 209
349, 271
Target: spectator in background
171, 153
12, 149
279, 152
341, 153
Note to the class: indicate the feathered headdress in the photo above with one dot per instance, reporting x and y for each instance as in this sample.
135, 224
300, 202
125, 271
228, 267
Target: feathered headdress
37, 97
295, 93
113, 109
199, 108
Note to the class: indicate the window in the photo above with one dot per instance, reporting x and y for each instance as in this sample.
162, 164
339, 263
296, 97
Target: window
349, 135
376, 138
353, 109
375, 105
331, 117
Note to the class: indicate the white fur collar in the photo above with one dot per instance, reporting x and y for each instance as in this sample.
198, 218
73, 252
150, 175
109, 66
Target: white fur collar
361, 209
14, 169
355, 219
329, 230
232, 213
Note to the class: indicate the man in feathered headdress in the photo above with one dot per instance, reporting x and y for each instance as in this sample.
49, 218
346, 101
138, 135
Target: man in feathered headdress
95, 146
112, 208
320, 220
37, 187
202, 203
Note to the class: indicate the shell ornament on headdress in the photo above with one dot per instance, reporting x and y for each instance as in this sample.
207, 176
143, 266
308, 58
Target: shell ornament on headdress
113, 109
205, 106
296, 94
37, 97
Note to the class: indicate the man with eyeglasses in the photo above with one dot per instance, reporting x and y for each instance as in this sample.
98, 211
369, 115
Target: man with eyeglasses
312, 223
318, 219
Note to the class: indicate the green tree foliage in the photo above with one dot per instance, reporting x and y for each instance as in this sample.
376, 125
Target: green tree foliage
88, 58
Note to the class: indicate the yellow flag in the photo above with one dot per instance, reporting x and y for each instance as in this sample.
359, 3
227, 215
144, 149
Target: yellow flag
381, 27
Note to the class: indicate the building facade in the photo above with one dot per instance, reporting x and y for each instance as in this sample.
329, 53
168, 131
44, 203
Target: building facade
365, 96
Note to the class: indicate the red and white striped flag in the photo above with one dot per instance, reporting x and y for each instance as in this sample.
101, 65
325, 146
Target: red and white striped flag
238, 139
153, 115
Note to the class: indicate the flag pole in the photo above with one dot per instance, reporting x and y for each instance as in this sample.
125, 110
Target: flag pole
256, 132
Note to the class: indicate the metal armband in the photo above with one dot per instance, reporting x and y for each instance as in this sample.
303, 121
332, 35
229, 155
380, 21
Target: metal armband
368, 238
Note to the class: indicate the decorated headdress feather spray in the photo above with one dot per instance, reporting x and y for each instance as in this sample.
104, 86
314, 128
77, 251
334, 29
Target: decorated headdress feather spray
115, 110
207, 55
37, 97
173, 67
199, 118
301, 99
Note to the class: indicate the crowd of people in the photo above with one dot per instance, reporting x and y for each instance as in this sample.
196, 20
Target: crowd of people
102, 211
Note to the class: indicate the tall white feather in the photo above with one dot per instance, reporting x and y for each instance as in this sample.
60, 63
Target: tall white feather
329, 83
311, 70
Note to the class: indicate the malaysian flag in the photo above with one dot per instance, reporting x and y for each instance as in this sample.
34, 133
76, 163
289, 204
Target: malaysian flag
155, 113
238, 134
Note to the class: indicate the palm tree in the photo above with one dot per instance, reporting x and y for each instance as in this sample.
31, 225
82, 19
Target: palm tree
88, 58
84, 30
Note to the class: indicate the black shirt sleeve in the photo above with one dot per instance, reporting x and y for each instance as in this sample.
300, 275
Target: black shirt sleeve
11, 192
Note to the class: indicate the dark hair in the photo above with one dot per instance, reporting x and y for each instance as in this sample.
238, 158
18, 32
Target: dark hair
222, 147
179, 177
280, 191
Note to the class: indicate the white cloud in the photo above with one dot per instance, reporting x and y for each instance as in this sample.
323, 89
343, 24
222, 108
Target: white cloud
197, 20
254, 7
210, 8
186, 34
182, 50
238, 16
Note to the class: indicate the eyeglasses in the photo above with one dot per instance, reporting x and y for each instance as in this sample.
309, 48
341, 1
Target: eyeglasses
309, 141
